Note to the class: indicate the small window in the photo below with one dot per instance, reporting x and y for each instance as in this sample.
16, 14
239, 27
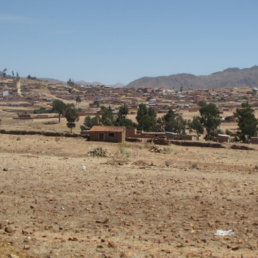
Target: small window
111, 134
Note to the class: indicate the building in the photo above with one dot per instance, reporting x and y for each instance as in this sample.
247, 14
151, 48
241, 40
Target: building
107, 133
223, 138
254, 140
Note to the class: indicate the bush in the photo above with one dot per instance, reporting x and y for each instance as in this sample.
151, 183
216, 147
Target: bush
42, 110
98, 152
228, 132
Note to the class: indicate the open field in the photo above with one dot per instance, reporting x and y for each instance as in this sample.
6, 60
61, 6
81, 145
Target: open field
132, 203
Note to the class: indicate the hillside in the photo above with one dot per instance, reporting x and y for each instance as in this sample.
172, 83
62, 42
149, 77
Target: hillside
231, 77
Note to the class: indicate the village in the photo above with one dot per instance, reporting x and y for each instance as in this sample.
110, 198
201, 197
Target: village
99, 189
29, 99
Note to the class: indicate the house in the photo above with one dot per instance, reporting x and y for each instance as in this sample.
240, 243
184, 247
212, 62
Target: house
107, 133
223, 138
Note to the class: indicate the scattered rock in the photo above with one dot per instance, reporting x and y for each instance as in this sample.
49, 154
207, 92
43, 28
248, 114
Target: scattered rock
111, 244
102, 221
156, 149
72, 239
168, 163
141, 163
9, 229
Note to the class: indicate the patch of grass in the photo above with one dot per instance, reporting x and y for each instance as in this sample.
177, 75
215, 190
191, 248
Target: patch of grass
18, 138
123, 151
167, 150
147, 145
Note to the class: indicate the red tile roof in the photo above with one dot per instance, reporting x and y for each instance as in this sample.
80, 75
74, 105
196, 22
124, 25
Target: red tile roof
99, 128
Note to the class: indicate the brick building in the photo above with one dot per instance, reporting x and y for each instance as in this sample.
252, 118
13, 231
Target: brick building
107, 133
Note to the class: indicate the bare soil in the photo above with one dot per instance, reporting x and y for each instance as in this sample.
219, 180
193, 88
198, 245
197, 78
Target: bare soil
132, 203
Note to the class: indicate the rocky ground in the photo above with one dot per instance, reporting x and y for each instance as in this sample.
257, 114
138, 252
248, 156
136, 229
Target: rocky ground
135, 201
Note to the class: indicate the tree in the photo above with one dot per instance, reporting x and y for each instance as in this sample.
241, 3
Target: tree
174, 122
59, 107
123, 111
96, 103
160, 125
78, 100
146, 118
4, 72
169, 119
180, 124
107, 117
71, 115
90, 122
210, 119
142, 111
196, 125
247, 123
121, 119
70, 82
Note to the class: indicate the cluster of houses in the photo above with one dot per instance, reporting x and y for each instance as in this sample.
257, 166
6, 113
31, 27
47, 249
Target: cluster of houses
28, 93
160, 99
121, 134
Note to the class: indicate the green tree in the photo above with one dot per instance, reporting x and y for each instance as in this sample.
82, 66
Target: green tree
90, 122
146, 118
4, 72
160, 125
210, 119
71, 115
196, 125
59, 107
70, 82
123, 111
121, 119
107, 117
174, 122
247, 123
78, 100
96, 103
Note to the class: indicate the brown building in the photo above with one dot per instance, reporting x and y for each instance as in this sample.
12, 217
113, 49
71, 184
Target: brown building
223, 138
107, 133
254, 140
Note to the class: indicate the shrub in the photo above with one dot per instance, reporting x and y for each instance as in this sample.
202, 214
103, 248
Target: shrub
98, 152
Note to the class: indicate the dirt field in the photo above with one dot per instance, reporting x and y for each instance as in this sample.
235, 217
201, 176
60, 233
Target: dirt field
132, 203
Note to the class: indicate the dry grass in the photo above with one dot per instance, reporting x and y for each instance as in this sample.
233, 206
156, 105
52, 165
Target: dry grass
160, 204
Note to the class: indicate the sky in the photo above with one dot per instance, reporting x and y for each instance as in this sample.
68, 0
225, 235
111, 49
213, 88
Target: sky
112, 41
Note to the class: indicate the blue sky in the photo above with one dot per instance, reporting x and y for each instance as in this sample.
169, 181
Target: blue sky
122, 40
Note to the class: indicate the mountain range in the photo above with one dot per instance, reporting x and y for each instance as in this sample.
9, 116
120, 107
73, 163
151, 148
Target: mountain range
231, 77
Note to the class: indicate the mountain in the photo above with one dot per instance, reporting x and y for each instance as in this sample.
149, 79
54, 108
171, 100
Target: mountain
51, 80
88, 83
231, 77
117, 85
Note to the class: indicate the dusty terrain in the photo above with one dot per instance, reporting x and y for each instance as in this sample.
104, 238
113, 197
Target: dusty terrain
132, 203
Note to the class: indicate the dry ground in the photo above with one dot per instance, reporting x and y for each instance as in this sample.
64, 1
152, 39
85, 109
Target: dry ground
133, 203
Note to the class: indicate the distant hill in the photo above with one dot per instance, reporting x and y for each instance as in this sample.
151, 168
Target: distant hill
50, 80
231, 77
